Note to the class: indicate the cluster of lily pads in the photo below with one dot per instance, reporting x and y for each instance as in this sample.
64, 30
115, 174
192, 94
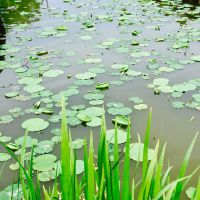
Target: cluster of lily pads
44, 75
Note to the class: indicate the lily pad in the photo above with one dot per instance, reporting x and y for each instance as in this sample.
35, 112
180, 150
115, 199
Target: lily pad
136, 152
140, 106
53, 73
35, 124
122, 136
34, 88
44, 162
4, 157
85, 76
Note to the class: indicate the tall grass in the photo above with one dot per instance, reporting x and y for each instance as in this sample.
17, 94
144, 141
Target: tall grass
101, 178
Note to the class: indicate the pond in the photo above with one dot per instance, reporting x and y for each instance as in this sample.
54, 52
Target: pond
141, 54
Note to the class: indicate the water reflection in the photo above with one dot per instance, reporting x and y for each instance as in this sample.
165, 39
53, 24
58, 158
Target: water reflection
14, 13
2, 38
195, 2
19, 12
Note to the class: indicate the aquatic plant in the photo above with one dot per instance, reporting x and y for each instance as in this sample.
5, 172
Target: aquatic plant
101, 174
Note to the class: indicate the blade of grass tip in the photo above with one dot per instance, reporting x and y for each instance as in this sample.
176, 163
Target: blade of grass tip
184, 167
126, 173
46, 195
158, 173
116, 194
144, 189
65, 156
100, 146
192, 174
166, 174
91, 181
150, 172
170, 191
168, 187
31, 162
146, 146
107, 169
54, 194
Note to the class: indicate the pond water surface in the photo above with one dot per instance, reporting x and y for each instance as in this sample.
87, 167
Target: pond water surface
155, 44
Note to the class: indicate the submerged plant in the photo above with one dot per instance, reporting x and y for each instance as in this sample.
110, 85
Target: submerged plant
101, 178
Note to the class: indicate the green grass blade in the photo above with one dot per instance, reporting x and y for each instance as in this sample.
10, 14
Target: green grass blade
107, 170
101, 148
150, 172
28, 178
197, 195
101, 189
168, 187
133, 190
165, 176
46, 195
158, 173
116, 194
86, 169
184, 168
146, 147
126, 173
91, 180
65, 156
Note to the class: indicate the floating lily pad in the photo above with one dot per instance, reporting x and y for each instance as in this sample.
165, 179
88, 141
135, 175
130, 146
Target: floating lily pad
35, 124
78, 143
11, 94
29, 141
136, 152
136, 100
95, 121
178, 104
29, 81
122, 136
85, 76
44, 162
46, 176
102, 85
4, 157
83, 117
140, 54
121, 120
140, 106
196, 58
53, 73
34, 88
44, 146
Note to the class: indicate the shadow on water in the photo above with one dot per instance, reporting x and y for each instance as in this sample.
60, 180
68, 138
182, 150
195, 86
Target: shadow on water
14, 13
194, 2
2, 38
19, 12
